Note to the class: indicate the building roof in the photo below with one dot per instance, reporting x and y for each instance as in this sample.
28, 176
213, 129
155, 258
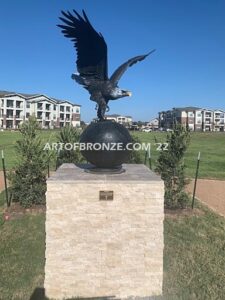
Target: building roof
116, 115
154, 119
29, 96
63, 101
112, 116
6, 93
187, 108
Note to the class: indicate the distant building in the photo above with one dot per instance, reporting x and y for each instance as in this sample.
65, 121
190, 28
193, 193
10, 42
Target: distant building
125, 120
195, 118
50, 112
153, 124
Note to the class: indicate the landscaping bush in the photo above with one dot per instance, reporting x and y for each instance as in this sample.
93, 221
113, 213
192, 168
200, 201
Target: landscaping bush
28, 180
135, 156
170, 165
69, 135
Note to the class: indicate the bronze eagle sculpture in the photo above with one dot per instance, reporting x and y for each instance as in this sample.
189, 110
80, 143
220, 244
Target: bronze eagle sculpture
92, 64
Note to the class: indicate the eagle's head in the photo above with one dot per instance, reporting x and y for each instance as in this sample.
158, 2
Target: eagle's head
118, 93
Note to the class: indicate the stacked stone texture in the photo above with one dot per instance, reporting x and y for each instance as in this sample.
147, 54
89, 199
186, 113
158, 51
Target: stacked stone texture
98, 248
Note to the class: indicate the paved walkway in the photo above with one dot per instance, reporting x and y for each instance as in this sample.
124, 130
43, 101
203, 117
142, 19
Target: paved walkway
210, 192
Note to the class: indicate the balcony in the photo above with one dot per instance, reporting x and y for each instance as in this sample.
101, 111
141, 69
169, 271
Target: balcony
10, 104
39, 106
219, 116
19, 105
39, 116
19, 116
47, 116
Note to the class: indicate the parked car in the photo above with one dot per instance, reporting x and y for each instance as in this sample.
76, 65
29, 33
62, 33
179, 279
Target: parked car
147, 130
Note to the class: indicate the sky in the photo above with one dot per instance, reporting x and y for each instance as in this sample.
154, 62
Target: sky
187, 69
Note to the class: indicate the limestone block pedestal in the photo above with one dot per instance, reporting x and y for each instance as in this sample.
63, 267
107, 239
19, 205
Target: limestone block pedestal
104, 233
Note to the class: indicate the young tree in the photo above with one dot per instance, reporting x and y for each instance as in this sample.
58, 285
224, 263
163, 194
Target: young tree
170, 165
135, 156
28, 180
69, 135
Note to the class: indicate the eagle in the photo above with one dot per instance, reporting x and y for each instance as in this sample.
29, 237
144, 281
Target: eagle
92, 62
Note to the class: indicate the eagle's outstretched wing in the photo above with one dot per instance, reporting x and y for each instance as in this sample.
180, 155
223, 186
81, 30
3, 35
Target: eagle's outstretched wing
119, 71
90, 45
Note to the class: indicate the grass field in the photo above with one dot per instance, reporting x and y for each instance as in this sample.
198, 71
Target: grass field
194, 265
211, 145
212, 148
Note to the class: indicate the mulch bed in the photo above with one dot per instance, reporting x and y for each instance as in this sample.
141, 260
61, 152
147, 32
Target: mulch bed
15, 211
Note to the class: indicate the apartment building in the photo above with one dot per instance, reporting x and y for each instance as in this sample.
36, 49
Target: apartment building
153, 124
195, 118
50, 112
125, 120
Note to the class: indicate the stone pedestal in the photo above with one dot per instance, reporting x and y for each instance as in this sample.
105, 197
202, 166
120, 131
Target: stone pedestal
104, 234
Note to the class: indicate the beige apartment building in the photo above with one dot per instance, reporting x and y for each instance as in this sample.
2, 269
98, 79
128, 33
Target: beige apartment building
195, 118
125, 120
50, 112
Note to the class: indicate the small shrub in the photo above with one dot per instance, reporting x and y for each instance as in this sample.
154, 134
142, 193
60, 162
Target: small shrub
170, 165
28, 180
135, 156
71, 135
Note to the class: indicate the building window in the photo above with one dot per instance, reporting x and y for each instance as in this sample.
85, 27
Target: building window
39, 115
10, 103
39, 106
27, 115
28, 105
54, 107
77, 110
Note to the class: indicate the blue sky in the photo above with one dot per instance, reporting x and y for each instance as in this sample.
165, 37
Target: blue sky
188, 67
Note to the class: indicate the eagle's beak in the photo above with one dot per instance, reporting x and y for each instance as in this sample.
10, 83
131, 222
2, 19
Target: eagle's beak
129, 94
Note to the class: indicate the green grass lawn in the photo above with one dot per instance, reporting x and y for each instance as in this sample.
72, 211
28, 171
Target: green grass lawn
8, 144
212, 148
194, 264
211, 145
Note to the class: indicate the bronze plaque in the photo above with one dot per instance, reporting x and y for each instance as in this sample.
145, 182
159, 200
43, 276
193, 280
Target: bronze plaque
106, 195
